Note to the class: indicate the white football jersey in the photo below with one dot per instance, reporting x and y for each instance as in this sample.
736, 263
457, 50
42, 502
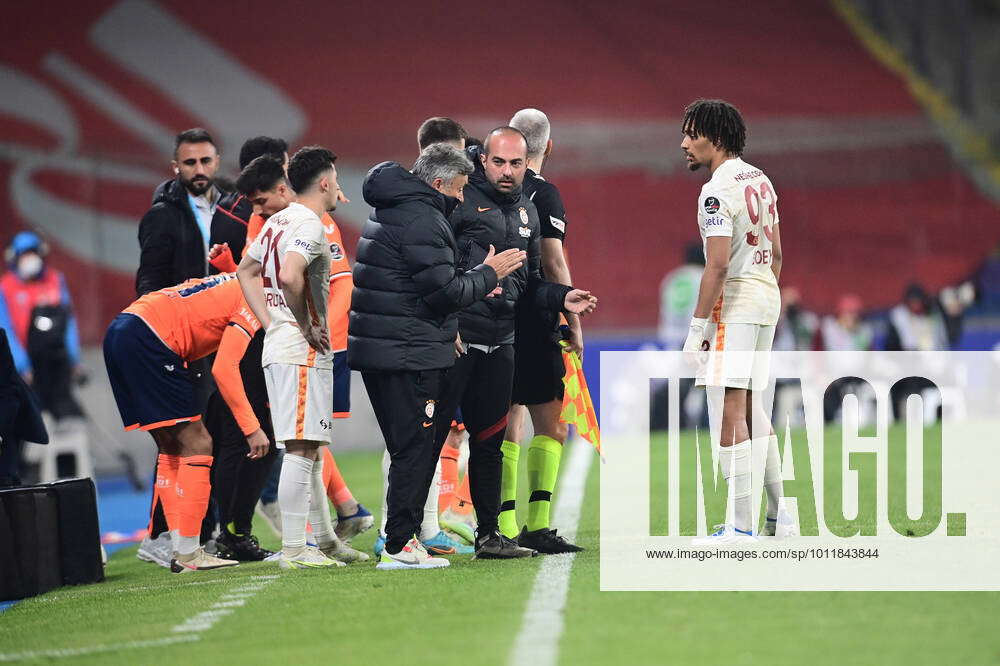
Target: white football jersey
294, 229
740, 202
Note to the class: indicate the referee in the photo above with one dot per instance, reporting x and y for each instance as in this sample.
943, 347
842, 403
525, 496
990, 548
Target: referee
538, 361
403, 326
496, 213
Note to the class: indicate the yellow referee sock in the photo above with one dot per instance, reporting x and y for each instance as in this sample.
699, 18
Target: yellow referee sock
507, 520
543, 469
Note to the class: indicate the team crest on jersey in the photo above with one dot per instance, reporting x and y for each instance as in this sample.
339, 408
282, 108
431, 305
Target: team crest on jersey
336, 253
524, 214
712, 205
429, 409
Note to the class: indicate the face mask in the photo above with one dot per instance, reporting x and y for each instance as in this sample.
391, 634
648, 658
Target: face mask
29, 265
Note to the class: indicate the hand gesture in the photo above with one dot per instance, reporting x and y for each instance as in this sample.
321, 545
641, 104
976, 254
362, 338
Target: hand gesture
580, 302
506, 262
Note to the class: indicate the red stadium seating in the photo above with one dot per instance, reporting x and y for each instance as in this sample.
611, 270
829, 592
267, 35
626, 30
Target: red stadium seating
869, 195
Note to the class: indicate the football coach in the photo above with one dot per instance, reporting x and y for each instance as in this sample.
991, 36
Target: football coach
403, 322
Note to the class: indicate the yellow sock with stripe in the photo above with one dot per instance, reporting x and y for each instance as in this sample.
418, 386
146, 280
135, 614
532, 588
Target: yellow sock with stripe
543, 469
508, 489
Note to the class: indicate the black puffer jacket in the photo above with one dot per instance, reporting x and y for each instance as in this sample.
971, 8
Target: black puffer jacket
406, 287
170, 243
505, 221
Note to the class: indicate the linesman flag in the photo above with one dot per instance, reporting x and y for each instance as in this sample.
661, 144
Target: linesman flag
577, 407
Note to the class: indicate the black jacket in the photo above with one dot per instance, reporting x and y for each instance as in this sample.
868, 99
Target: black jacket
170, 242
406, 287
485, 218
20, 412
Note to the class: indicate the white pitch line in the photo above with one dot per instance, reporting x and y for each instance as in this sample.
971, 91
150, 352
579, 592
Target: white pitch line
537, 642
96, 649
186, 632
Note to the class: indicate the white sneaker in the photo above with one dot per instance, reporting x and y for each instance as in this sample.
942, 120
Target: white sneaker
271, 515
199, 560
412, 556
782, 527
308, 558
725, 536
159, 550
339, 550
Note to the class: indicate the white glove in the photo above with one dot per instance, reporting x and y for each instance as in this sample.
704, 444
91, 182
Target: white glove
696, 345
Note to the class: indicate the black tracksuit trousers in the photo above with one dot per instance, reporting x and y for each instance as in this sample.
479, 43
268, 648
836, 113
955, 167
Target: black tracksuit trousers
405, 403
480, 383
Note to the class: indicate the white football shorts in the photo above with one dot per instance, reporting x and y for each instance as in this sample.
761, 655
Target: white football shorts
738, 356
300, 398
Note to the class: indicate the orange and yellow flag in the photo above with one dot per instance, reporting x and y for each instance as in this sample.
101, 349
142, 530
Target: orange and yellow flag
577, 407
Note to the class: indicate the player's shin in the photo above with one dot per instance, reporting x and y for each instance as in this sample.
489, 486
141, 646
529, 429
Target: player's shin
772, 478
429, 526
194, 486
449, 475
508, 489
735, 462
166, 487
293, 500
319, 507
544, 455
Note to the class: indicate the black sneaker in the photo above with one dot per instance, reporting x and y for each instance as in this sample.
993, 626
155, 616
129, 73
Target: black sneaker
546, 541
241, 547
495, 546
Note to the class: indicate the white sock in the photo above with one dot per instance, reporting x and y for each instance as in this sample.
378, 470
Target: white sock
385, 490
735, 463
293, 501
187, 545
175, 540
429, 527
319, 508
772, 477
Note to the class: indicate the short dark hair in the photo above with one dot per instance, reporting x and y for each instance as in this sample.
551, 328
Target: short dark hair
262, 145
440, 130
471, 141
503, 129
718, 121
193, 135
261, 175
307, 164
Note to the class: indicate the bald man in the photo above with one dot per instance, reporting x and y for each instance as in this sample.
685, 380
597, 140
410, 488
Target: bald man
495, 213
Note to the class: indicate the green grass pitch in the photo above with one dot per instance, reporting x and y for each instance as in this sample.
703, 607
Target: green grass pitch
470, 613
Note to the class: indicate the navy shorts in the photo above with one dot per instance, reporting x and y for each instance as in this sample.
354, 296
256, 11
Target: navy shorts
151, 383
341, 386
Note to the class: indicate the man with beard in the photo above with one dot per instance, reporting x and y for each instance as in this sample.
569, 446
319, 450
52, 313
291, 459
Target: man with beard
174, 237
495, 213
